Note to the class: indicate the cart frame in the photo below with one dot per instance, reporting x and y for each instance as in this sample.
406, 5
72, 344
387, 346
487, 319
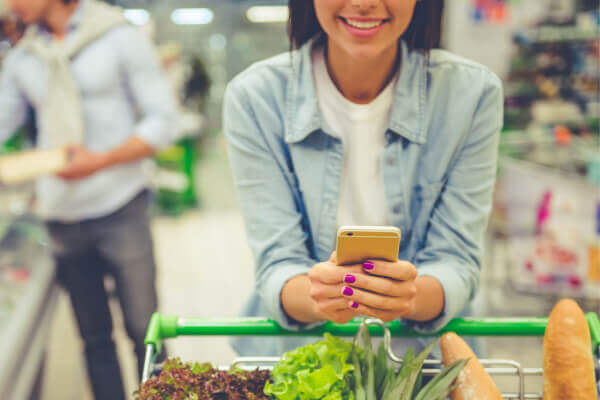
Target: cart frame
164, 327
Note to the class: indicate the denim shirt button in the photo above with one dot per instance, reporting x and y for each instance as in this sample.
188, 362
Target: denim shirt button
397, 209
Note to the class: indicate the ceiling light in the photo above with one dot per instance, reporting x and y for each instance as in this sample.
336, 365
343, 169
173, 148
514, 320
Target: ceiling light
192, 16
268, 14
137, 16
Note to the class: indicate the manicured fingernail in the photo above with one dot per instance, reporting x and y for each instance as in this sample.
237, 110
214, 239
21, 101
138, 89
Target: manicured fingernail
348, 291
368, 265
349, 278
354, 304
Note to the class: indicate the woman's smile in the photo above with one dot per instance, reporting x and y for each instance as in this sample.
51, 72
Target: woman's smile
363, 27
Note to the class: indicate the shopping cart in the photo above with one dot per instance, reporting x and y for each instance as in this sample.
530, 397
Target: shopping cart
162, 327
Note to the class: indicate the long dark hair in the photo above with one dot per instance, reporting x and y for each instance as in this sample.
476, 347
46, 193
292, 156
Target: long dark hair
423, 33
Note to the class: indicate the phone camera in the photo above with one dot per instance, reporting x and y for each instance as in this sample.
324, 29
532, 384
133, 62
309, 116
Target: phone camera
350, 234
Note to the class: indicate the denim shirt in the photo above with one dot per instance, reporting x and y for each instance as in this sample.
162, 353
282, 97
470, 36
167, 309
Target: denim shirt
439, 167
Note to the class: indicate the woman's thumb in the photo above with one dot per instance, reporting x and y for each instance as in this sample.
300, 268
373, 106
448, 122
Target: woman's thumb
333, 257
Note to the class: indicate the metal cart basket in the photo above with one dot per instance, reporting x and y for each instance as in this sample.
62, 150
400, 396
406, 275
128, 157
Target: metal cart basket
162, 327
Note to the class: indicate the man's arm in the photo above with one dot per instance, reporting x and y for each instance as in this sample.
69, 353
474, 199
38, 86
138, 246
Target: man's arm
453, 247
83, 163
149, 88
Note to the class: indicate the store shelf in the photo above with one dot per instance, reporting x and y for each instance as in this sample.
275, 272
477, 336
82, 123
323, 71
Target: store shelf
553, 34
32, 359
29, 294
547, 221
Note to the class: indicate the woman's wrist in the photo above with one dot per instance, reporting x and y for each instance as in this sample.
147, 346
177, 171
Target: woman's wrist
429, 301
296, 300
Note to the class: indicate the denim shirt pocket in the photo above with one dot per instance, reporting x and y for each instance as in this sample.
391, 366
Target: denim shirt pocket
424, 199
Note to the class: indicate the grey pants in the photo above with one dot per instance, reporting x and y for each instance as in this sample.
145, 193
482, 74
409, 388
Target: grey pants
119, 245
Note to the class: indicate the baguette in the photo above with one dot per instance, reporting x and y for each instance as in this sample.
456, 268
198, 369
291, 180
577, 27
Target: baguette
474, 383
29, 165
568, 361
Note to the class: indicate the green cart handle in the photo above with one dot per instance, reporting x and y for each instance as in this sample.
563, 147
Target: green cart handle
163, 327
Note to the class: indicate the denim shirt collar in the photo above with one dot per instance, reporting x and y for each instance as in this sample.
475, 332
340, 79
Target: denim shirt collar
304, 115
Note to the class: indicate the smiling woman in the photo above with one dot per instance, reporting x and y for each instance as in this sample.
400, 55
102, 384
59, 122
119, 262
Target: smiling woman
368, 31
363, 123
422, 33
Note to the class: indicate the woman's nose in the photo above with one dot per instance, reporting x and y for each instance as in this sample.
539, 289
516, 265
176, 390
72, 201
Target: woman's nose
364, 5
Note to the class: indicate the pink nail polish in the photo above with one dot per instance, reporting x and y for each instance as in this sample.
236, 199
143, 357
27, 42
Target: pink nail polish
368, 265
349, 278
354, 304
575, 281
348, 291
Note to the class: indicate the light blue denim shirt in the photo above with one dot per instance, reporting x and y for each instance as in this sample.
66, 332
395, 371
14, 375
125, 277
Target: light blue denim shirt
123, 93
439, 167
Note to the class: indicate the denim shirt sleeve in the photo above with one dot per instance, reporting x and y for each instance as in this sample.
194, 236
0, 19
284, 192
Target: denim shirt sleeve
453, 246
13, 105
263, 182
149, 88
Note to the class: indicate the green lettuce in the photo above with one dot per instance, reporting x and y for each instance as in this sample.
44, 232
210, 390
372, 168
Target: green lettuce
323, 370
334, 369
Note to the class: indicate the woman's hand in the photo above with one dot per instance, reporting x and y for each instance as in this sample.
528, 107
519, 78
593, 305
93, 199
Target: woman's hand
326, 285
379, 289
384, 290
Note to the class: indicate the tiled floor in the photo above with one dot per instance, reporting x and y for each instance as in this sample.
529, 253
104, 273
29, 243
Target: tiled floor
205, 269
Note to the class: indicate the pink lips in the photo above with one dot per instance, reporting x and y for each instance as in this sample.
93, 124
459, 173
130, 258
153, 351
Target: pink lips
363, 33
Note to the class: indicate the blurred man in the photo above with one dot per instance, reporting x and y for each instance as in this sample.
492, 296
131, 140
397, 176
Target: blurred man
97, 89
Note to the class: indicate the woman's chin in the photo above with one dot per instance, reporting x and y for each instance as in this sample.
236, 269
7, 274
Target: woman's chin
364, 53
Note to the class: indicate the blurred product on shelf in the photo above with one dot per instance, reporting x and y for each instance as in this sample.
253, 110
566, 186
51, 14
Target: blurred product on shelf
11, 31
495, 11
16, 143
551, 220
552, 90
554, 77
548, 192
174, 177
198, 85
28, 295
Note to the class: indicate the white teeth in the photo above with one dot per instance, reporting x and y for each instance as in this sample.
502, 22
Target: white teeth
364, 25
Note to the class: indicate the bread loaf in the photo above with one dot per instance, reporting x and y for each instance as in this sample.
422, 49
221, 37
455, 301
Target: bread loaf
29, 165
568, 360
474, 383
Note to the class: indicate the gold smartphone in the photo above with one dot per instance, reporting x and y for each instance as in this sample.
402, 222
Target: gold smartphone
356, 244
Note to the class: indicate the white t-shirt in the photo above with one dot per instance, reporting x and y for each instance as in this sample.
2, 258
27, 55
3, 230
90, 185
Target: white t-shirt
362, 128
